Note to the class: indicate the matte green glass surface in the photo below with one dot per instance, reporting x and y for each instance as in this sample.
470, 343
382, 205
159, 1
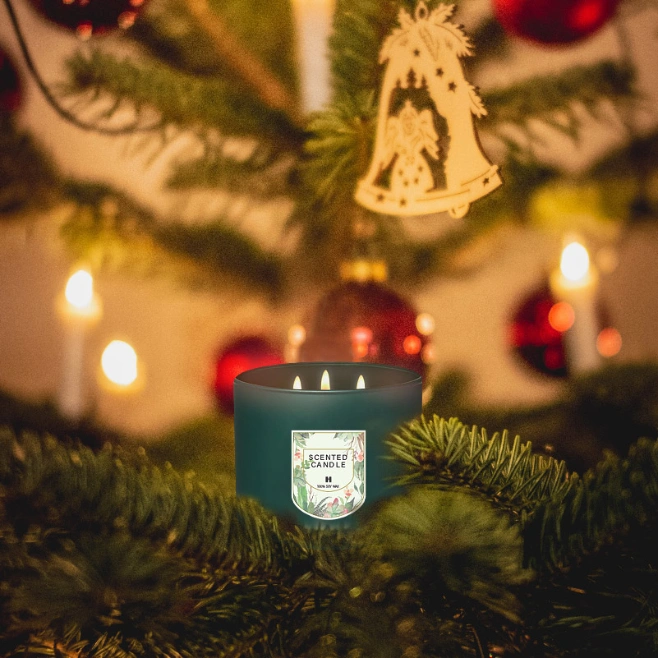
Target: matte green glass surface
268, 410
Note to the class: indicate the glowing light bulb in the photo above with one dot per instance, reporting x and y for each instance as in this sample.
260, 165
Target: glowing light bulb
79, 290
574, 263
297, 384
561, 316
425, 324
360, 382
412, 344
324, 382
119, 363
608, 342
296, 335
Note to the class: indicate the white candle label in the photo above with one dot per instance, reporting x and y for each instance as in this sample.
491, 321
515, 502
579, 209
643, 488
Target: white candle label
328, 472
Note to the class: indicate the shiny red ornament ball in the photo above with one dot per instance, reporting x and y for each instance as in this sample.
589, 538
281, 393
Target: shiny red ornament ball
241, 354
11, 92
365, 322
533, 334
90, 17
554, 21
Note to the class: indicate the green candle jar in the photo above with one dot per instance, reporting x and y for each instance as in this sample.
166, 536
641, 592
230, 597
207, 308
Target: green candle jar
316, 454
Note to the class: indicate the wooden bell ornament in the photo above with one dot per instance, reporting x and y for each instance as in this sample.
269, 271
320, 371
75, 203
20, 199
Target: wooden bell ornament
427, 156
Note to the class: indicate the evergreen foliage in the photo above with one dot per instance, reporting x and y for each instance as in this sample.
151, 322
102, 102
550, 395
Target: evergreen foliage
491, 550
220, 71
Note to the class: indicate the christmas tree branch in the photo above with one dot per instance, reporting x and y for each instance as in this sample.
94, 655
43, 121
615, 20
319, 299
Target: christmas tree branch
116, 489
110, 231
544, 96
186, 101
263, 175
619, 494
248, 68
448, 454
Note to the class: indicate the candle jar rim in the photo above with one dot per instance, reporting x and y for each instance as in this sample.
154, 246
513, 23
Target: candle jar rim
413, 377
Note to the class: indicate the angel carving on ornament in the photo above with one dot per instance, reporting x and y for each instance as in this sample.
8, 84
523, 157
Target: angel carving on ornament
427, 156
408, 135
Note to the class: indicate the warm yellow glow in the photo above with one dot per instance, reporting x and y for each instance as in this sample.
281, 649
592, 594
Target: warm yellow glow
428, 355
79, 290
574, 263
361, 335
425, 324
561, 316
324, 383
119, 363
412, 344
297, 384
608, 342
296, 335
360, 382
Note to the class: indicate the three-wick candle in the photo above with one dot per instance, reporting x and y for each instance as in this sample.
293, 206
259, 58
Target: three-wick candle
310, 438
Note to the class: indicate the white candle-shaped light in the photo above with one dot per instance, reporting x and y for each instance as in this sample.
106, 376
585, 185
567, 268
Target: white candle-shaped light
79, 308
324, 382
360, 382
313, 20
576, 283
297, 384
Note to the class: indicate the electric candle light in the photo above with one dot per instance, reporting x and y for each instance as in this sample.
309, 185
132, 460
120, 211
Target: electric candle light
79, 308
310, 438
575, 283
313, 20
120, 367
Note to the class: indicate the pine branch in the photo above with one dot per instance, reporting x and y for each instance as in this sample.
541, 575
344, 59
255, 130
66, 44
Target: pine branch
447, 454
169, 32
114, 489
617, 495
186, 101
543, 97
262, 175
27, 176
249, 68
110, 231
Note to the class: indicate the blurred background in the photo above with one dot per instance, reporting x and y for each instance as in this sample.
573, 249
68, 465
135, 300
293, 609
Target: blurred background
198, 160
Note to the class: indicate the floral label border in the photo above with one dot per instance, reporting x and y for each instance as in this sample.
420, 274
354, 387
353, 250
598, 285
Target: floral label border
328, 475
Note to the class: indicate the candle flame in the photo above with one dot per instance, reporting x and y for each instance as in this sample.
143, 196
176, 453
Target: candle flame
297, 384
360, 382
574, 263
324, 383
79, 290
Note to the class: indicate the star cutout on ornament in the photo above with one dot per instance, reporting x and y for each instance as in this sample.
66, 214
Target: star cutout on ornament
380, 197
439, 72
403, 202
416, 53
485, 181
452, 86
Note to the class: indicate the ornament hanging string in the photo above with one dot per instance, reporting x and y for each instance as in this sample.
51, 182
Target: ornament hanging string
54, 103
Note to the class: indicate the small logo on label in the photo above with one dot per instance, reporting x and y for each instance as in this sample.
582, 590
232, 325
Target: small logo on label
328, 472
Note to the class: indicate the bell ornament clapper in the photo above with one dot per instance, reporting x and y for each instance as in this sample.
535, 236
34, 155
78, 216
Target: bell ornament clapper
427, 157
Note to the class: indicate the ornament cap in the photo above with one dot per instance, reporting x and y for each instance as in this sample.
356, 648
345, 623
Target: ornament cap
363, 269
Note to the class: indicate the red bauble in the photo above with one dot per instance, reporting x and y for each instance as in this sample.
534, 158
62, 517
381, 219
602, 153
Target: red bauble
11, 93
242, 354
554, 21
533, 335
365, 322
87, 17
